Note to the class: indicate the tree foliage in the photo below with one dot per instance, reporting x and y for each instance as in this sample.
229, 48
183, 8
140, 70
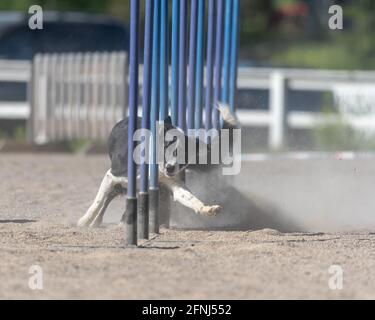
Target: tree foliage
306, 42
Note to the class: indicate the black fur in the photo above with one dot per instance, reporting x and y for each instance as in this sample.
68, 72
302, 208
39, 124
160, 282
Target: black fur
118, 148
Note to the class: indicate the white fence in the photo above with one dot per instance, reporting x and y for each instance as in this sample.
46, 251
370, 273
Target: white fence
280, 81
276, 118
77, 96
16, 72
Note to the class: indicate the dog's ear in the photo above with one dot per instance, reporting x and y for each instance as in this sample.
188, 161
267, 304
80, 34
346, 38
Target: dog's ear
168, 121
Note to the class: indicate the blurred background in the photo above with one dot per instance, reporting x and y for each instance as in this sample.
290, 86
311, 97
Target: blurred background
327, 97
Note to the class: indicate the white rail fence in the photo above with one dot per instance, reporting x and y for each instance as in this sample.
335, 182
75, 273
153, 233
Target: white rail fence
16, 72
359, 112
83, 95
77, 96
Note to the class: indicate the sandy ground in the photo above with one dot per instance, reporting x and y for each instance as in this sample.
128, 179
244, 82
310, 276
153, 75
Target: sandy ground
41, 196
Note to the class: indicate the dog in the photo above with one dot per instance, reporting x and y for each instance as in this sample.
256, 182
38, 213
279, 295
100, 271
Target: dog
115, 180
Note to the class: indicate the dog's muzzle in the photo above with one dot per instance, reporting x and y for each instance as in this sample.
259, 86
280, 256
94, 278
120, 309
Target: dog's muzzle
170, 169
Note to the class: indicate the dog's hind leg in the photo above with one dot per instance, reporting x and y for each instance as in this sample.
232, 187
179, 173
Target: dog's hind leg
101, 201
97, 221
118, 189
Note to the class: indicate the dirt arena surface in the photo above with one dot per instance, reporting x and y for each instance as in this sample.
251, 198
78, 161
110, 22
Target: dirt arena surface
42, 196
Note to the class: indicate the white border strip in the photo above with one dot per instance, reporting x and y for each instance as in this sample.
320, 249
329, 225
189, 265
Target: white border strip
345, 155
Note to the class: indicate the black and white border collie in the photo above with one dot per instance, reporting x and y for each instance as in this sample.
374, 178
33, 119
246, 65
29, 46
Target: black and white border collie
115, 180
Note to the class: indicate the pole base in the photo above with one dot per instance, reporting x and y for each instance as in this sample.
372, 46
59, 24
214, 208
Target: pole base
143, 215
154, 210
164, 207
130, 221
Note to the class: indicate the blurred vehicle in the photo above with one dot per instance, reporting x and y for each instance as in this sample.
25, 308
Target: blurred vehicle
62, 32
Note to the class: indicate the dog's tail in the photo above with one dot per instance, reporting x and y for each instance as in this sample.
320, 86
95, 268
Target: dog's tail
229, 119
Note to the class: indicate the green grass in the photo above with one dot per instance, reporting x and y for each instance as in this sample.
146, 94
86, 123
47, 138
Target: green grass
79, 145
18, 134
324, 56
340, 136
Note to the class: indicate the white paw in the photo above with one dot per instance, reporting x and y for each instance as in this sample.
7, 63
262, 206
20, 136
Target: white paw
210, 210
84, 222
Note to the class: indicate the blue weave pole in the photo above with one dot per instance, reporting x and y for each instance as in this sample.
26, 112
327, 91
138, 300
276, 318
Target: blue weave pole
131, 200
199, 66
218, 61
209, 64
182, 67
175, 44
227, 50
143, 197
154, 168
192, 64
234, 56
164, 102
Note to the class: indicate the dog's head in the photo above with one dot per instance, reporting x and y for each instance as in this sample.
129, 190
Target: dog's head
176, 153
174, 149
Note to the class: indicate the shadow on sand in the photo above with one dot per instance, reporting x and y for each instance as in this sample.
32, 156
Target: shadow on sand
240, 212
17, 221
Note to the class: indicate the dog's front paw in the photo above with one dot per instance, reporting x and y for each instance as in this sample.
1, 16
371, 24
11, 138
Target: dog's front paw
210, 210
